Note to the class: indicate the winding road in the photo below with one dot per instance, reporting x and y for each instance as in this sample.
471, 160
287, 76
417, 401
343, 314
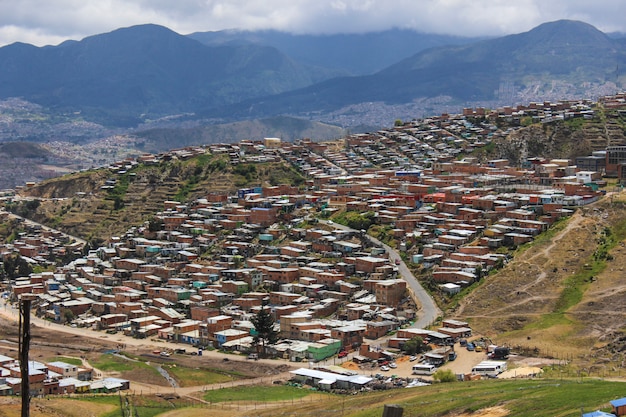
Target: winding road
430, 311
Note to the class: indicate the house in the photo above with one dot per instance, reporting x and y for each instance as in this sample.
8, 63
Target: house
619, 406
109, 385
65, 369
228, 335
327, 381
349, 335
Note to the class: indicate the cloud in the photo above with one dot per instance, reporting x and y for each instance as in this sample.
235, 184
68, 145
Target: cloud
52, 21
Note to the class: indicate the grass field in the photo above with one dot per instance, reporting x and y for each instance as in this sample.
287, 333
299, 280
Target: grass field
255, 393
531, 398
71, 361
129, 368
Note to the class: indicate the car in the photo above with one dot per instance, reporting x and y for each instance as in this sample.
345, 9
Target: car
384, 368
165, 354
470, 346
478, 348
393, 365
253, 356
342, 354
413, 358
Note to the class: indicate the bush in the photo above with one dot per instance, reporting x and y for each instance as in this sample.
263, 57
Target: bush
444, 375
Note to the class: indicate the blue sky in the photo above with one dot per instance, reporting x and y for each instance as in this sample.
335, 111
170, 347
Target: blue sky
50, 22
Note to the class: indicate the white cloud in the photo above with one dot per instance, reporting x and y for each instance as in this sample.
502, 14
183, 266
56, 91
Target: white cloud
52, 21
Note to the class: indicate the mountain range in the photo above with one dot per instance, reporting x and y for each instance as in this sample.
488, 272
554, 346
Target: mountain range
131, 75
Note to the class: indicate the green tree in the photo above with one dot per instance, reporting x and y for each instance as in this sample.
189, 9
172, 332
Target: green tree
118, 203
265, 333
444, 375
415, 345
356, 220
154, 224
16, 266
68, 316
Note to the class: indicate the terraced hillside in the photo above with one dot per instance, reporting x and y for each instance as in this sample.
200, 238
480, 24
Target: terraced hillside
563, 138
100, 203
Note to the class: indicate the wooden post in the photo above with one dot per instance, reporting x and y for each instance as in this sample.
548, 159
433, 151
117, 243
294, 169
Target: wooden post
25, 304
393, 410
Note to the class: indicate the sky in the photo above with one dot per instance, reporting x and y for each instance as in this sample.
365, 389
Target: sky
50, 22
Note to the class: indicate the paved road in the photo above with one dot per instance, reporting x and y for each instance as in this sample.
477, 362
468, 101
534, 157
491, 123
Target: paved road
43, 227
429, 312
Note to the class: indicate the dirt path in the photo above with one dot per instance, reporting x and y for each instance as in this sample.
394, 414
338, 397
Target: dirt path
9, 313
526, 291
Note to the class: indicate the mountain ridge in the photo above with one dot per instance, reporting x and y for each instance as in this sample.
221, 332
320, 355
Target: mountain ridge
126, 76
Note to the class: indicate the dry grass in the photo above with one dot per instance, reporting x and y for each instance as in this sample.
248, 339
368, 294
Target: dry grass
54, 407
536, 301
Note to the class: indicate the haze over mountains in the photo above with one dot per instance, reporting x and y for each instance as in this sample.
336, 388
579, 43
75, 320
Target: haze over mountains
146, 72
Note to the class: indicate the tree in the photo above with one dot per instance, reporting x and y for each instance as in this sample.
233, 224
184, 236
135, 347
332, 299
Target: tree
16, 266
265, 333
444, 375
415, 345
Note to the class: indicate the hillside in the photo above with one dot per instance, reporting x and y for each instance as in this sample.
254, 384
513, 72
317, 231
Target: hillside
562, 59
130, 74
79, 205
563, 138
563, 294
347, 53
138, 74
286, 128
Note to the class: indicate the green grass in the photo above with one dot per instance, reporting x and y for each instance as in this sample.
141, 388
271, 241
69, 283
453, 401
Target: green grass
71, 361
255, 393
532, 398
111, 363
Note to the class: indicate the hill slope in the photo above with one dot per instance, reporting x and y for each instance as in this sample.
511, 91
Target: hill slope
562, 294
286, 128
571, 55
144, 69
90, 211
348, 54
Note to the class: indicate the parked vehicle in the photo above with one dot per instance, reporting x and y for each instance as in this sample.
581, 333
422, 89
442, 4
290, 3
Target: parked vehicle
452, 356
424, 369
384, 368
478, 348
490, 368
413, 358
393, 365
470, 346
500, 353
342, 354
253, 356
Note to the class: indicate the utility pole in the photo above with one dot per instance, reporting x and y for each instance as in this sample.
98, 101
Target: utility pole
25, 305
